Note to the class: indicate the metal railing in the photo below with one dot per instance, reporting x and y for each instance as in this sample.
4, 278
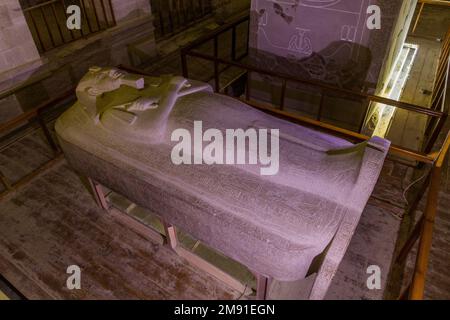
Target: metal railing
172, 16
422, 3
440, 97
48, 21
34, 116
438, 118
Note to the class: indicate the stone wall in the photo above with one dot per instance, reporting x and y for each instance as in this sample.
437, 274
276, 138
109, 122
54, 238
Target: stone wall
18, 53
17, 47
329, 39
130, 9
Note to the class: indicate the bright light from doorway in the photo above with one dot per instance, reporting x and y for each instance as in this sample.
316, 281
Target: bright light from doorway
395, 87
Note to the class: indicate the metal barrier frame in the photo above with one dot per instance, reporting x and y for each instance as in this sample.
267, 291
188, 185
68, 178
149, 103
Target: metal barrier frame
181, 14
424, 228
422, 6
438, 118
93, 26
34, 115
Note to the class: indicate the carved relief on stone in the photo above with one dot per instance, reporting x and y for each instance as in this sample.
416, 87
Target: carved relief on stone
132, 106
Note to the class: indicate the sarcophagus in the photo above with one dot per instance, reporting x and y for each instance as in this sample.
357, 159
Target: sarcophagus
274, 205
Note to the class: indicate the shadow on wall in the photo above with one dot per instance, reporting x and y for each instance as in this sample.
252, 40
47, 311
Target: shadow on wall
343, 64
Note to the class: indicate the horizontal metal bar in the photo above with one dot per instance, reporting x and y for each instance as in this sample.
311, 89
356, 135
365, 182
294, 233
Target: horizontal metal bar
10, 286
373, 98
436, 2
34, 112
394, 150
44, 4
28, 178
443, 152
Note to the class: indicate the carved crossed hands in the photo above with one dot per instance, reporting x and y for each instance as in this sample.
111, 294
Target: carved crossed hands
170, 89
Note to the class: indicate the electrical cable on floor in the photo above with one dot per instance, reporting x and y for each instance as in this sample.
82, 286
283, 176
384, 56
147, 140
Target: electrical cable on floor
243, 293
411, 185
396, 217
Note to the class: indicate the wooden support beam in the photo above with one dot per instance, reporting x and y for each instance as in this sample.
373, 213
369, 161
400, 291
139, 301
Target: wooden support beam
262, 287
98, 194
418, 17
436, 2
137, 226
418, 284
172, 242
170, 238
421, 267
213, 270
171, 235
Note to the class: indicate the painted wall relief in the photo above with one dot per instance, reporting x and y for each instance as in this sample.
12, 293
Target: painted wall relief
325, 40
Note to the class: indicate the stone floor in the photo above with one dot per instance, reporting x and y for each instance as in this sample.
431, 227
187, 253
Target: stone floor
53, 222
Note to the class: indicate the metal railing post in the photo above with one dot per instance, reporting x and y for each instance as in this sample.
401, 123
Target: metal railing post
418, 283
233, 44
184, 64
283, 94
47, 132
216, 64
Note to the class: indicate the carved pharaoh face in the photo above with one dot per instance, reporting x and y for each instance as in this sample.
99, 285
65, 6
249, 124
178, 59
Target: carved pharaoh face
96, 82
